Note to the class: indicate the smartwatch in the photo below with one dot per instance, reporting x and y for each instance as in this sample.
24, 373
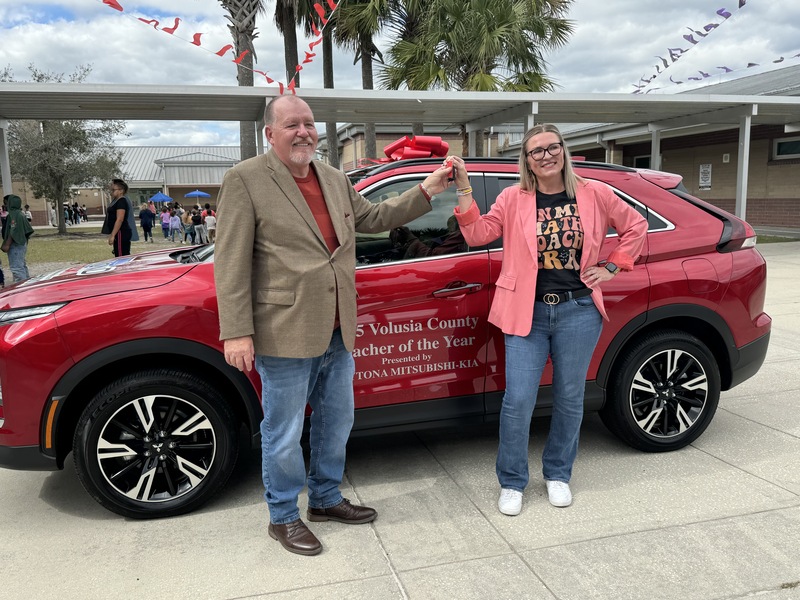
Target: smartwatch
612, 268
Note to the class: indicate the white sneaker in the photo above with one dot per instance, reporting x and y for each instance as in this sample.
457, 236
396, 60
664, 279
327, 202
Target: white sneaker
510, 502
558, 493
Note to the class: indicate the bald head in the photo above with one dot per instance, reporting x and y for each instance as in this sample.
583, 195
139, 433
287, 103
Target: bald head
269, 111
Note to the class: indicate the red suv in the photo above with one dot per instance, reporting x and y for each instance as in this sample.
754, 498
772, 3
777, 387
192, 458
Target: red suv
120, 363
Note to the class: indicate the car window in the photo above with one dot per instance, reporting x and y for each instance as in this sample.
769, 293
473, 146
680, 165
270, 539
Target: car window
435, 233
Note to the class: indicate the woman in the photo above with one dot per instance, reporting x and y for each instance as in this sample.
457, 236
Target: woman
15, 238
146, 219
548, 300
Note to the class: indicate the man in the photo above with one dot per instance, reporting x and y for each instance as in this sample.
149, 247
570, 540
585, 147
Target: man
285, 274
116, 224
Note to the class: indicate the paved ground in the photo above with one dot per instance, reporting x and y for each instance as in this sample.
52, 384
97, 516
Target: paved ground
717, 520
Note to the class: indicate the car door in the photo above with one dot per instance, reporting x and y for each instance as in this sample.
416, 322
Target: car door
422, 312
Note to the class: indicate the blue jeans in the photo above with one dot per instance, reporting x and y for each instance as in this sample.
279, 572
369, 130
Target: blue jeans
16, 261
568, 333
288, 384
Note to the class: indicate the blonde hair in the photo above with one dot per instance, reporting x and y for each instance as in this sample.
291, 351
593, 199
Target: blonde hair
527, 180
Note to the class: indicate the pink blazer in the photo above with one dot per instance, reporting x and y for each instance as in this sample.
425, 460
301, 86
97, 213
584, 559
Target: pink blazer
513, 216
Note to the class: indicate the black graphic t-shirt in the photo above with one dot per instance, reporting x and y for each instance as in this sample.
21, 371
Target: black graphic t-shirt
559, 236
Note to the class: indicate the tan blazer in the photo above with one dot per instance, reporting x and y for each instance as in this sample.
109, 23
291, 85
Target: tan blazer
275, 278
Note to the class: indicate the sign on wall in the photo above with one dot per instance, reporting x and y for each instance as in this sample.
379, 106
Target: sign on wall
705, 177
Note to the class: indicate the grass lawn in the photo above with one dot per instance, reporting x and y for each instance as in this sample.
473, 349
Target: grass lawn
81, 246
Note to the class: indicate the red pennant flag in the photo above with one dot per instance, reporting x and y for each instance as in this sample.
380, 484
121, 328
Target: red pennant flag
309, 56
224, 49
171, 30
113, 4
321, 13
196, 39
240, 58
152, 22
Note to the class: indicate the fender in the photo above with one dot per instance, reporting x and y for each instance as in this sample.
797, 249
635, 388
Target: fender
685, 312
208, 357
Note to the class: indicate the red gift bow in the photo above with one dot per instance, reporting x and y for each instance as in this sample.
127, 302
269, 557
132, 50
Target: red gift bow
420, 146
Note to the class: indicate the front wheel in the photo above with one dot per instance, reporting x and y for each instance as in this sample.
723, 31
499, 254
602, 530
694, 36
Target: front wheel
157, 443
663, 392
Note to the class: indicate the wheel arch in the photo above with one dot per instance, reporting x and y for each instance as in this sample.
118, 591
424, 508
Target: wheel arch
78, 386
699, 321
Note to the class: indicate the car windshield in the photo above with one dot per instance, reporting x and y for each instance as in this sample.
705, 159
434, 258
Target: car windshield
200, 254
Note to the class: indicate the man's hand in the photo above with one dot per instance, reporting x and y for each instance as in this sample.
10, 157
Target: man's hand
239, 352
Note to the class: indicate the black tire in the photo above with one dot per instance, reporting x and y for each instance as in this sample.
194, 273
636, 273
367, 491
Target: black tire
156, 443
663, 393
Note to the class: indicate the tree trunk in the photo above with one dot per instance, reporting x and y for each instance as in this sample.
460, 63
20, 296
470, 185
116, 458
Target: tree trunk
370, 142
244, 77
327, 78
288, 20
417, 129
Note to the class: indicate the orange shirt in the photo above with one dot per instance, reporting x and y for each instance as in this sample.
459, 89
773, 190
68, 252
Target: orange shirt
309, 187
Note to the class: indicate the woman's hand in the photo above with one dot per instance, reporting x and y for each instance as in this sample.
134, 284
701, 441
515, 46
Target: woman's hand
461, 174
595, 275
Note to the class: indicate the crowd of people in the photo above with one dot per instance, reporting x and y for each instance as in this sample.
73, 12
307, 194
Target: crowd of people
196, 225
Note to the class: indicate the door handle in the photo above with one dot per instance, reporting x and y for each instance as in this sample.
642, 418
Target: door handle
457, 288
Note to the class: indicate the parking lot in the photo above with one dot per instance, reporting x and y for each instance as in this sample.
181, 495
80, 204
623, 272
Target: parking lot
717, 520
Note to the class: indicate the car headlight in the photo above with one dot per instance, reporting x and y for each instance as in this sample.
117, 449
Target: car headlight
25, 314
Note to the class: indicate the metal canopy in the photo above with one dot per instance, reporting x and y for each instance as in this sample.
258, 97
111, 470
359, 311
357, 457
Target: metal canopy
476, 109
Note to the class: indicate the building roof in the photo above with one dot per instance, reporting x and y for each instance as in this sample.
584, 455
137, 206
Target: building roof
778, 82
145, 163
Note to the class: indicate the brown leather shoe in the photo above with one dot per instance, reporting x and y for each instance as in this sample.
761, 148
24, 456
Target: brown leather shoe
344, 512
295, 537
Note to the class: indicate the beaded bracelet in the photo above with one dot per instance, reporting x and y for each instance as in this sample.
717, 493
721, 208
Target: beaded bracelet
467, 191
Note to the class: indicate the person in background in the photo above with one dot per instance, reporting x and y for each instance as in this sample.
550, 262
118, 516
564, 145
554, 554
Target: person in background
165, 217
27, 213
211, 227
3, 215
175, 226
15, 238
146, 220
116, 225
548, 300
199, 228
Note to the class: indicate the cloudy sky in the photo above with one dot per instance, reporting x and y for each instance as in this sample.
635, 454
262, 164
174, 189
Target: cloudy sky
616, 45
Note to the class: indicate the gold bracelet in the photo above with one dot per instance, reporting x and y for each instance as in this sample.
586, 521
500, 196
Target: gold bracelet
464, 192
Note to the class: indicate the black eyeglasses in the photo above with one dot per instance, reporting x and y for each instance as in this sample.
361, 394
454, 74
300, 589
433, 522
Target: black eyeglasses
552, 150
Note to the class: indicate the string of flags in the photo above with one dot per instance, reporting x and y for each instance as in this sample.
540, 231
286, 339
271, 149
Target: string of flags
324, 15
693, 38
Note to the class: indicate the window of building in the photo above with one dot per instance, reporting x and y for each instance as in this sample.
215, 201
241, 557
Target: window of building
785, 148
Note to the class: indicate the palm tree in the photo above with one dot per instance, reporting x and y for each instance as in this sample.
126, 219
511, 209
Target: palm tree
358, 22
242, 16
481, 45
306, 18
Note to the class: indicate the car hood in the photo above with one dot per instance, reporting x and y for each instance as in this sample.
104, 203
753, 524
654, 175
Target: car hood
115, 275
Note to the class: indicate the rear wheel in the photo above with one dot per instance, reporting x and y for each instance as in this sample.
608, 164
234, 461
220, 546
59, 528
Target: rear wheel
663, 392
155, 444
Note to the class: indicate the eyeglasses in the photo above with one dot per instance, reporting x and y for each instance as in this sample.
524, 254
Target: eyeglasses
552, 150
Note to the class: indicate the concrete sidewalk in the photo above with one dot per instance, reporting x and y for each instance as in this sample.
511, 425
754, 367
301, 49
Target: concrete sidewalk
717, 520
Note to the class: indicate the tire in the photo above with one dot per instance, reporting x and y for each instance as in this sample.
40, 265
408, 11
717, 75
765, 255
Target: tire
663, 392
156, 443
